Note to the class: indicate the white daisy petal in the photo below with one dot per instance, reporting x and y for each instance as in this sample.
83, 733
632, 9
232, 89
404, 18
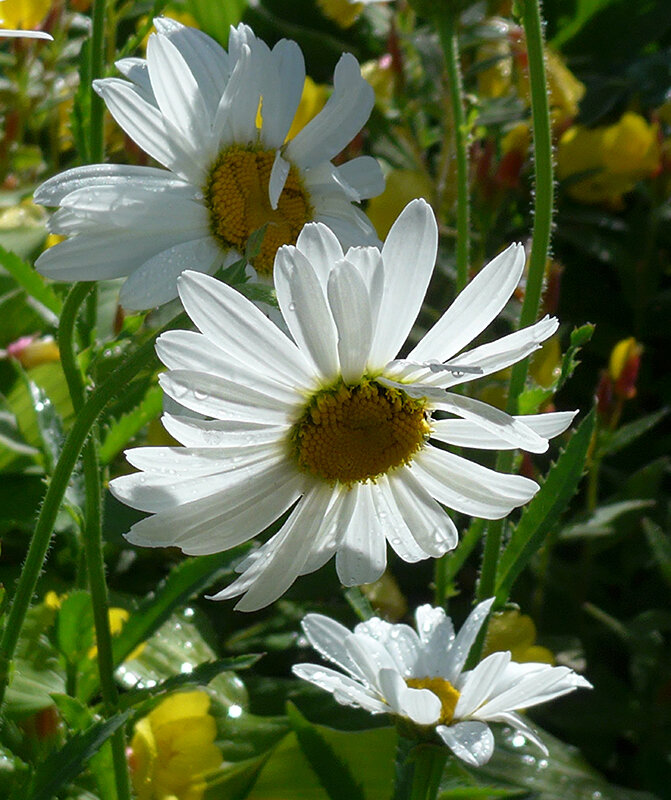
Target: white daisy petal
321, 248
511, 429
280, 101
474, 308
431, 527
420, 705
305, 310
237, 327
235, 120
463, 433
207, 60
281, 565
225, 399
343, 116
140, 290
409, 255
193, 432
278, 177
364, 175
175, 89
362, 554
237, 511
471, 741
471, 488
345, 691
328, 638
397, 532
348, 300
418, 677
461, 646
479, 683
148, 128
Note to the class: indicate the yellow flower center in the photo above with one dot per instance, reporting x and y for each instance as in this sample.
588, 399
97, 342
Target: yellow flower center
356, 433
236, 194
444, 691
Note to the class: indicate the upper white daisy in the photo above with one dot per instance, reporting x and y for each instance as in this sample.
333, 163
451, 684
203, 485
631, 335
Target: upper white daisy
328, 423
420, 676
218, 122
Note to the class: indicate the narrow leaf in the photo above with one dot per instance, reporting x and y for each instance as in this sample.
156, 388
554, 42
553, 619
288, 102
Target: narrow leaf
627, 434
30, 280
542, 513
660, 544
122, 430
63, 766
185, 580
199, 676
334, 775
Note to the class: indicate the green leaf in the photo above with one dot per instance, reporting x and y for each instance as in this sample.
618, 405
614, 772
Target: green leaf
584, 11
187, 579
660, 544
30, 280
562, 775
627, 434
579, 338
543, 512
74, 626
216, 18
334, 774
76, 715
368, 754
80, 120
124, 429
600, 522
201, 675
63, 766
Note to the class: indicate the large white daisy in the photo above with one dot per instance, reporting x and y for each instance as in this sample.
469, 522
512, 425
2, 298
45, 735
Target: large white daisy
420, 676
328, 425
217, 121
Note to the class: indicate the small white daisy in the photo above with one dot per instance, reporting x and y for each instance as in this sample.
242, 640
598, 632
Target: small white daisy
217, 121
420, 676
328, 425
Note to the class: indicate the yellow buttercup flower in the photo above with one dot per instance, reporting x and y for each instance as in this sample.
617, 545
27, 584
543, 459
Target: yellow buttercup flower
24, 13
342, 12
313, 99
510, 630
173, 749
118, 617
615, 157
402, 186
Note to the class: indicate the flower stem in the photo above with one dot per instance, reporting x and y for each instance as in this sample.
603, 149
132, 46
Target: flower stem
96, 131
116, 382
93, 536
419, 768
543, 209
447, 19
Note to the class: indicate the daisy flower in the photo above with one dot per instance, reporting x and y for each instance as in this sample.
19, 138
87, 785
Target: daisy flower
327, 425
218, 122
419, 676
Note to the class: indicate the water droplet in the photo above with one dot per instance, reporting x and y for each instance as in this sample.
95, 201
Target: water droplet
292, 306
199, 394
530, 760
186, 668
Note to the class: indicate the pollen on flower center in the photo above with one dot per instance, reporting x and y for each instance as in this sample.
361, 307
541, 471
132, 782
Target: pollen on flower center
236, 194
444, 691
350, 434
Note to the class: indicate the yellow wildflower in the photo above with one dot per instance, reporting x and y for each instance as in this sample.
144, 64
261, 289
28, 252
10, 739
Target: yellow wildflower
510, 630
24, 14
118, 617
343, 12
173, 749
402, 186
615, 156
313, 99
31, 351
623, 366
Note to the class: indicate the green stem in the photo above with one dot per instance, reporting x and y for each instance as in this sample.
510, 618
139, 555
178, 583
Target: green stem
96, 131
93, 538
447, 19
419, 768
543, 209
116, 382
